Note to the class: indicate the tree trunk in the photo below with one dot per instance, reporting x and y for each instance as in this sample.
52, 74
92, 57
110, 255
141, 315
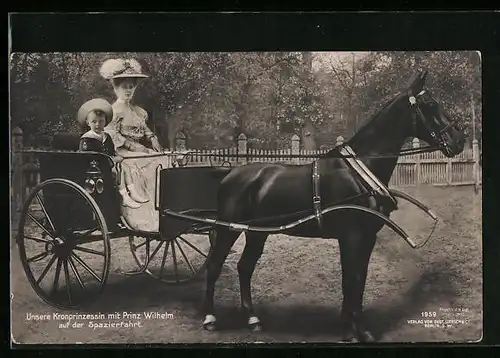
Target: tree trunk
308, 137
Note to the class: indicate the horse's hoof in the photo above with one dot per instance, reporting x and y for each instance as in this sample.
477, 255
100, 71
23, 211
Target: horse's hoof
209, 323
349, 337
255, 327
254, 324
211, 327
366, 337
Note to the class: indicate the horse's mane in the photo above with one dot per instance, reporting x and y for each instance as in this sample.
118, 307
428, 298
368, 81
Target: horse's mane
371, 120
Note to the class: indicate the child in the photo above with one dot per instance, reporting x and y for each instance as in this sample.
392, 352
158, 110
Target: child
96, 114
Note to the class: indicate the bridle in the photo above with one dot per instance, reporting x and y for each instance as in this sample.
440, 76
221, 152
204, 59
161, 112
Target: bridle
437, 136
417, 115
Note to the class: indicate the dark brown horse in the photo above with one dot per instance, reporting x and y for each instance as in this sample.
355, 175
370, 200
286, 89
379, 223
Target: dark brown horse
256, 191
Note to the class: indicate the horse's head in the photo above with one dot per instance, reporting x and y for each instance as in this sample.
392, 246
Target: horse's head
430, 122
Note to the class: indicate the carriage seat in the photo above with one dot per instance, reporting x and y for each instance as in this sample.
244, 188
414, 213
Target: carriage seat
66, 141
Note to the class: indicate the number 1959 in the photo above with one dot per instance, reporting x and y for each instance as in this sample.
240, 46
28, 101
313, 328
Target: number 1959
428, 314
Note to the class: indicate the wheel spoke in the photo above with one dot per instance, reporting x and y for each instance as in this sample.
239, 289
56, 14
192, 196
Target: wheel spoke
163, 260
40, 225
37, 257
185, 257
45, 212
47, 268
192, 246
56, 276
66, 276
75, 271
137, 246
88, 232
86, 267
37, 239
90, 251
148, 249
175, 261
156, 250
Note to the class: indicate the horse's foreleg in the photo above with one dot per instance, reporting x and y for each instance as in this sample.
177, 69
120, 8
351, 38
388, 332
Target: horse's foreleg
223, 242
355, 252
254, 247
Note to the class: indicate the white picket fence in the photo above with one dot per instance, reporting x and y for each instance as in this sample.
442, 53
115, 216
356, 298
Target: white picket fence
412, 170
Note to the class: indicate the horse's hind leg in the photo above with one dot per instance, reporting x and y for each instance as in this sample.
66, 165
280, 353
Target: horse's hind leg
254, 247
223, 242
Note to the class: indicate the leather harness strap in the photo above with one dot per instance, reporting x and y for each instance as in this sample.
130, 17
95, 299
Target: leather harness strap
376, 186
316, 194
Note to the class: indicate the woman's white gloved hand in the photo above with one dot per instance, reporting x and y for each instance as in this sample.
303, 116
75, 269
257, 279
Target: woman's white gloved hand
156, 144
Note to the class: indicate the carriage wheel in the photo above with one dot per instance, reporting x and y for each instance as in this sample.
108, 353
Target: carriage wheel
63, 244
176, 260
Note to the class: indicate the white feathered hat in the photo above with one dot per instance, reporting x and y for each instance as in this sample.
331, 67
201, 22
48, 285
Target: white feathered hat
121, 68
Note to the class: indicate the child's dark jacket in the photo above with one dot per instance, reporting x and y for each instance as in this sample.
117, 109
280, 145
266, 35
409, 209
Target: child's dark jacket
89, 141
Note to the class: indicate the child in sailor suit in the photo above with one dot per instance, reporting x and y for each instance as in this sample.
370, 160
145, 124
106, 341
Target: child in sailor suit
96, 114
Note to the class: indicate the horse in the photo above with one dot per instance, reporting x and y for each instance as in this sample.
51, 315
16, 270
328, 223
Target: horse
267, 190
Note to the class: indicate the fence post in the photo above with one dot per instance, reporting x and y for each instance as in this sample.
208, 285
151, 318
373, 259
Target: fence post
17, 187
476, 167
340, 141
449, 171
295, 148
180, 141
418, 179
242, 146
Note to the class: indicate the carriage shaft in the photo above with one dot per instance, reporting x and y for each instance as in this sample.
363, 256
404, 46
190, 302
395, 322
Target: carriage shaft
282, 228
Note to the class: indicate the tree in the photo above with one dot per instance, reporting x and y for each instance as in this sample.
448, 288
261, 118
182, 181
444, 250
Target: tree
212, 97
454, 79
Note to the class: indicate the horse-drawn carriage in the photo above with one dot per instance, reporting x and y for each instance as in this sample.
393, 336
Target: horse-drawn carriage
78, 205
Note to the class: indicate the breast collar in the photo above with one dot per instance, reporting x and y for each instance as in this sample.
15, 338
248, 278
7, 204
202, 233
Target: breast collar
376, 187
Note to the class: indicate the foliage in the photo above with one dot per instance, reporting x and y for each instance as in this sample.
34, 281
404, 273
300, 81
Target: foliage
212, 97
454, 79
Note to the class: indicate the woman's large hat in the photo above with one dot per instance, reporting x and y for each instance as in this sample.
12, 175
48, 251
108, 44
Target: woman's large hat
121, 68
93, 105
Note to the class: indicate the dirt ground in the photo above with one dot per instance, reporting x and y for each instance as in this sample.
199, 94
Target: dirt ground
297, 288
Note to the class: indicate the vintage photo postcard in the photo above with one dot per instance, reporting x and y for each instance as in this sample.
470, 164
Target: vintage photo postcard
239, 197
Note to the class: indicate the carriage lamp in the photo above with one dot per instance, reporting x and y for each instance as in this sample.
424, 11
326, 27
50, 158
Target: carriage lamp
93, 181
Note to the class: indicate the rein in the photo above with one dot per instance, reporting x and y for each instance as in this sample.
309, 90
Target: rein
402, 153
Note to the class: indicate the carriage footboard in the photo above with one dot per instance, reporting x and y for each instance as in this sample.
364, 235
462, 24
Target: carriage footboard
282, 228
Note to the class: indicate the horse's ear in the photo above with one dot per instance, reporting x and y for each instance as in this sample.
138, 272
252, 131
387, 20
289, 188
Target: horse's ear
417, 82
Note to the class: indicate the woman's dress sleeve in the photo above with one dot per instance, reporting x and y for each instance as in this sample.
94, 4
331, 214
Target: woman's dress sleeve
113, 129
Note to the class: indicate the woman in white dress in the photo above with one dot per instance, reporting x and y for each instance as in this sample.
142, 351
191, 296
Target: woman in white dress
130, 133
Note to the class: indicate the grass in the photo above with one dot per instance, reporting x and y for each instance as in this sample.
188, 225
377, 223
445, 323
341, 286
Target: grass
297, 287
